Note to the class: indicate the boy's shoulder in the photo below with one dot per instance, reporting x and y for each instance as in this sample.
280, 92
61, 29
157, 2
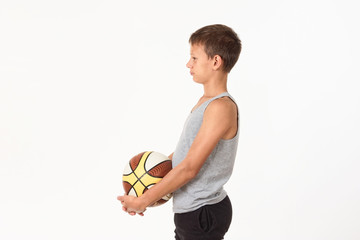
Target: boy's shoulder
221, 116
221, 109
223, 104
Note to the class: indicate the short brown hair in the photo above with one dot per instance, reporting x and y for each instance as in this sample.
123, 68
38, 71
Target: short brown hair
219, 40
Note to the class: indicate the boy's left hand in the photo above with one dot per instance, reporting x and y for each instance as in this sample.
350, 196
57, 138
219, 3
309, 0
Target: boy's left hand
132, 205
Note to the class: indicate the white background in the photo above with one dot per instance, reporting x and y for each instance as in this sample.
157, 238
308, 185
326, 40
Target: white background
85, 85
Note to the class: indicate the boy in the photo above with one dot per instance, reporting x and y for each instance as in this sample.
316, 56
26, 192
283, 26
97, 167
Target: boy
204, 157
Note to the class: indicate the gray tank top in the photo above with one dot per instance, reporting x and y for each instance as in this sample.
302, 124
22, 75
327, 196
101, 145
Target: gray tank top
207, 187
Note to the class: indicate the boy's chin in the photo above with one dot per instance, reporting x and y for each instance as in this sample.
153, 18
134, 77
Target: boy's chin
197, 80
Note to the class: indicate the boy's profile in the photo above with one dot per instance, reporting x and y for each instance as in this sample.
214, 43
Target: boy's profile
204, 157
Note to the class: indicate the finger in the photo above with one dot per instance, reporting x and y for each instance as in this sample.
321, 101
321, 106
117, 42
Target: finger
120, 198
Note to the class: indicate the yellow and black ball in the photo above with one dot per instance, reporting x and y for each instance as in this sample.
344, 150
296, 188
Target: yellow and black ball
145, 170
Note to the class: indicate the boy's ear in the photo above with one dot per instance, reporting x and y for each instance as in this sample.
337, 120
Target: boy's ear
218, 62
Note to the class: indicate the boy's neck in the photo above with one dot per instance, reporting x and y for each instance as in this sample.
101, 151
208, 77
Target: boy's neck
215, 87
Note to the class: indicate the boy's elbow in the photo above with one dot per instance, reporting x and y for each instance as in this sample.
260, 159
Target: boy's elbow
192, 174
189, 172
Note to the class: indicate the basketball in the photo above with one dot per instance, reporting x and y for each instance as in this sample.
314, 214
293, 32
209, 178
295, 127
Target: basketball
143, 171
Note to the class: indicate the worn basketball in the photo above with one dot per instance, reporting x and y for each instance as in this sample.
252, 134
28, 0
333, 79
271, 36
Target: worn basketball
143, 171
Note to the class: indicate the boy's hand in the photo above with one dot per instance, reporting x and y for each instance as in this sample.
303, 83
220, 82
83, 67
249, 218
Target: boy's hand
132, 205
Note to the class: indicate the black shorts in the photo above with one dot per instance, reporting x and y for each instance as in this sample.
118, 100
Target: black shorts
209, 222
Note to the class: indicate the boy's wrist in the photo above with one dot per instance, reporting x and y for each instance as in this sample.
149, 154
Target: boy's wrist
143, 202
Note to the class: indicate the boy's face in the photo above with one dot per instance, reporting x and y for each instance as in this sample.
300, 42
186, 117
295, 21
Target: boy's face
200, 65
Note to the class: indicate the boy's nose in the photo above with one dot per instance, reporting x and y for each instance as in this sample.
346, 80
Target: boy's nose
188, 64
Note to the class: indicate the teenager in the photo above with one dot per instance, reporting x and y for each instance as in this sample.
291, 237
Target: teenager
204, 157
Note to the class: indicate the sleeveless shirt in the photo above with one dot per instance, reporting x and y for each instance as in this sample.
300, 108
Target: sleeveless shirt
207, 187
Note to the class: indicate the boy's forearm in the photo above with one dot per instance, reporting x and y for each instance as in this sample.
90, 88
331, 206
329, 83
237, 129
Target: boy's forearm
175, 179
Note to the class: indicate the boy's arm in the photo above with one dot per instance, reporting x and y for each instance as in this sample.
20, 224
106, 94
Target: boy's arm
217, 121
